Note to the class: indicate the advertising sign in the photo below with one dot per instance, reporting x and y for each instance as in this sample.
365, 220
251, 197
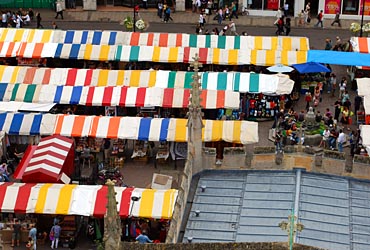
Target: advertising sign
367, 7
332, 6
272, 4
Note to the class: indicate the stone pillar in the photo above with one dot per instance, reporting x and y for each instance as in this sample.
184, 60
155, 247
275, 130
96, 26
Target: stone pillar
180, 5
195, 123
89, 4
112, 221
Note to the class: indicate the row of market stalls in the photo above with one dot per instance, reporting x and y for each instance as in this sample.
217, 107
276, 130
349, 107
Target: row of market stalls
39, 89
69, 199
168, 40
126, 53
133, 128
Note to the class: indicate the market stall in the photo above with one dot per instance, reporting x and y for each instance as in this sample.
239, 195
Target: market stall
52, 160
97, 37
364, 91
235, 81
116, 96
63, 199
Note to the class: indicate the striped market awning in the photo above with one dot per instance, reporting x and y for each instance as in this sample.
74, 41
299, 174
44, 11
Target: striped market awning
27, 124
235, 81
27, 35
64, 199
116, 96
86, 52
51, 161
9, 49
135, 128
96, 37
125, 53
208, 55
361, 44
154, 129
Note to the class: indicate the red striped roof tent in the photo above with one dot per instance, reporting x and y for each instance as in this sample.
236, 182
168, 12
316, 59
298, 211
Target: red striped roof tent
52, 160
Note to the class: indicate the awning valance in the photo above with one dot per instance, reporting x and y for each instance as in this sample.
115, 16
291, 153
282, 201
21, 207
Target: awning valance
25, 106
85, 200
117, 96
96, 37
235, 81
27, 124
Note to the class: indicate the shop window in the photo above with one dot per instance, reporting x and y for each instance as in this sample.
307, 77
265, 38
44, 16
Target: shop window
350, 7
255, 4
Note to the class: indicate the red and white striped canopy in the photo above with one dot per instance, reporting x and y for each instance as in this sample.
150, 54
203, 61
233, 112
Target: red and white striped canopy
50, 161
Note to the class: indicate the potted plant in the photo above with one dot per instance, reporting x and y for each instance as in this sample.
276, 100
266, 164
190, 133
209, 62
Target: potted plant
366, 29
355, 28
128, 23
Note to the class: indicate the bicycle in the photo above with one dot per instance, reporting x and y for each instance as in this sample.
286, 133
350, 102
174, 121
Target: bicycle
244, 11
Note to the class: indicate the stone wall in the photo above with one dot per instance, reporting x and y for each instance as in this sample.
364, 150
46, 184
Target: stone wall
361, 167
208, 162
234, 158
180, 206
216, 246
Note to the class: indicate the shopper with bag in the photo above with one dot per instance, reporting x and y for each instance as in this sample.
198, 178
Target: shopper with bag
54, 235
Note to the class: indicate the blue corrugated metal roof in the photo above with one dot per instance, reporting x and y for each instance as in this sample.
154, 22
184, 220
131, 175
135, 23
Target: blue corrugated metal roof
247, 206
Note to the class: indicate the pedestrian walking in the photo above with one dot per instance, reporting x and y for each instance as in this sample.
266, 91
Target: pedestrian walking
280, 26
16, 236
232, 28
59, 10
308, 99
54, 25
167, 14
220, 16
278, 142
353, 138
358, 102
287, 26
320, 18
54, 235
38, 21
328, 45
341, 140
345, 118
333, 81
159, 8
202, 20
336, 19
286, 9
33, 235
234, 11
342, 87
4, 19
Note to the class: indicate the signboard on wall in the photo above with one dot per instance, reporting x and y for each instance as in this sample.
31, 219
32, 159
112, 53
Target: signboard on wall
272, 4
367, 7
332, 6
